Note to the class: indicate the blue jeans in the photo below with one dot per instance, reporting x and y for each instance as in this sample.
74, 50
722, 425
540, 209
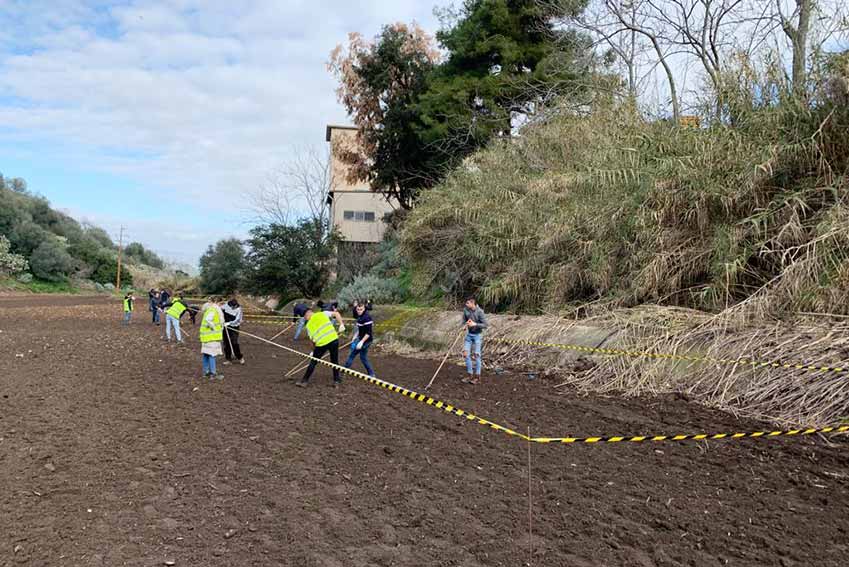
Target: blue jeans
363, 357
172, 322
156, 315
300, 327
473, 344
208, 364
127, 316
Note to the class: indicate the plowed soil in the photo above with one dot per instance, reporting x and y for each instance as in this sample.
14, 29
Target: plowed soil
113, 451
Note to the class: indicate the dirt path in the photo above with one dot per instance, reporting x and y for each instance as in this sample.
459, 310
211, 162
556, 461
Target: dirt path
114, 452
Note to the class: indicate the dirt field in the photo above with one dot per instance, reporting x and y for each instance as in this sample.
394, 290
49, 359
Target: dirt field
113, 451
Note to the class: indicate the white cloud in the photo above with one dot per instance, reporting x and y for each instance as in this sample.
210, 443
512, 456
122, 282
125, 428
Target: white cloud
176, 242
200, 97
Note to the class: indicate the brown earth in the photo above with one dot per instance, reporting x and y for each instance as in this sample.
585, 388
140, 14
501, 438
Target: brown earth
114, 452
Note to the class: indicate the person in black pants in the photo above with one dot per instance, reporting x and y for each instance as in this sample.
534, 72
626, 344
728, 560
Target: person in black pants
232, 321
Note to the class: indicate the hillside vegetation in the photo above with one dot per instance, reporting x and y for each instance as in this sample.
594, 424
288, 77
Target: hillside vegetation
40, 243
615, 209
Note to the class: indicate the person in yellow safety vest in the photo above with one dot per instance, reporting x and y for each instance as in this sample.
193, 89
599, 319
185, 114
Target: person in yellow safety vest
211, 334
128, 308
324, 339
173, 312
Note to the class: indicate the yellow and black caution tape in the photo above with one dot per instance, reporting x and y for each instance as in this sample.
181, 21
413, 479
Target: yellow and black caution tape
693, 436
449, 408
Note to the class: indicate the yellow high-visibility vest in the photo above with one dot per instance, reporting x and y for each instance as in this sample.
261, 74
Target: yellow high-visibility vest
214, 333
321, 330
177, 309
128, 305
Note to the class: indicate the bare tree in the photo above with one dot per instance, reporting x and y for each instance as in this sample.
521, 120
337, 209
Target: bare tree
808, 26
299, 188
624, 27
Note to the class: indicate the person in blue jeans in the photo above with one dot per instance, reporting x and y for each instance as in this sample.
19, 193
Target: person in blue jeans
153, 305
474, 320
365, 334
298, 312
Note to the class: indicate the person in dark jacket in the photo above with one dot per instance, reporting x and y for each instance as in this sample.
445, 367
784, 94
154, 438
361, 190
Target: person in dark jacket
153, 305
298, 312
164, 298
364, 337
232, 322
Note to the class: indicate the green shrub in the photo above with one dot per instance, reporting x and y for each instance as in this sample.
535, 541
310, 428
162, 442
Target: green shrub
378, 290
51, 262
10, 263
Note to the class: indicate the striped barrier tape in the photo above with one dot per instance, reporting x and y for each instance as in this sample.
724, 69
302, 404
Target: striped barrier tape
449, 408
693, 437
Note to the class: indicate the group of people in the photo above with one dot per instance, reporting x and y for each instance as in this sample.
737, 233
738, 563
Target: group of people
318, 321
221, 322
219, 331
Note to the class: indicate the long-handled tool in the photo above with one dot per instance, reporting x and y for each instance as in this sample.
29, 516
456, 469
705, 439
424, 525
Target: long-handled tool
307, 363
289, 326
445, 358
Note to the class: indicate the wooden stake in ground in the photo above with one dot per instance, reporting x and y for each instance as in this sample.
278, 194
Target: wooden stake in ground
289, 326
307, 363
445, 358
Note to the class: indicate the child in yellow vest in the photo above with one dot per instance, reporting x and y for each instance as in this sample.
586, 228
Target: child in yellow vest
128, 308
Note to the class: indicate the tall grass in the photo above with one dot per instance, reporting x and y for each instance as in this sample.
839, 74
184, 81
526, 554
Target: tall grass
614, 210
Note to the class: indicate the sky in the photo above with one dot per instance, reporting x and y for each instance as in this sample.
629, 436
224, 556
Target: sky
161, 115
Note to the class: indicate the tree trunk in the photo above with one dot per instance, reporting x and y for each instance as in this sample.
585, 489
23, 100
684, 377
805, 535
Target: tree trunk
673, 92
800, 46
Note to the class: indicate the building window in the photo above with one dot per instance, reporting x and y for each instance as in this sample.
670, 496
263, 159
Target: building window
358, 216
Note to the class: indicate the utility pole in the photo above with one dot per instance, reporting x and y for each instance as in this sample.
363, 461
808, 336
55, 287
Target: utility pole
120, 248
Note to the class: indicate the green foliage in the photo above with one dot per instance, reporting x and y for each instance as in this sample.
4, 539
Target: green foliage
100, 236
222, 267
10, 263
26, 237
51, 262
105, 270
56, 245
613, 208
136, 253
86, 249
378, 290
26, 283
401, 163
388, 278
417, 118
502, 55
284, 259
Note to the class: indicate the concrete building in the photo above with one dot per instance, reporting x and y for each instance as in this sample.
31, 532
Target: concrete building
356, 211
